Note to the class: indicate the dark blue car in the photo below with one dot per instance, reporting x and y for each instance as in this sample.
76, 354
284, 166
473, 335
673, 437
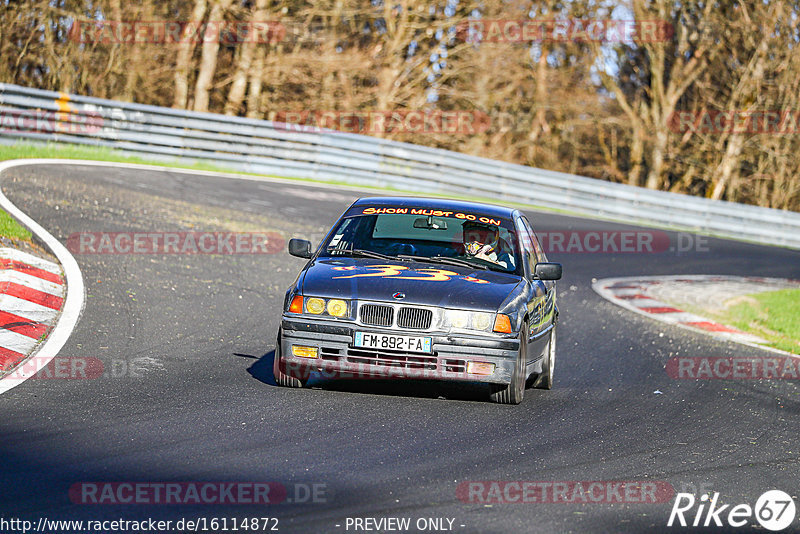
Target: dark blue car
423, 288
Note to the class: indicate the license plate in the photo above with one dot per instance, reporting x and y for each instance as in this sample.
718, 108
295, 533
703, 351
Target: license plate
392, 342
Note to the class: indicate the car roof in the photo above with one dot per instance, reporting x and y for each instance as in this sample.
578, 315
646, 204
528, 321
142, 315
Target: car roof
437, 204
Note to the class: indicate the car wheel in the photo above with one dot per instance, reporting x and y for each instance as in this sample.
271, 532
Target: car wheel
281, 378
515, 391
545, 380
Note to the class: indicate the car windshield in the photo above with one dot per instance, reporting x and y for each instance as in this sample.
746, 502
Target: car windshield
408, 236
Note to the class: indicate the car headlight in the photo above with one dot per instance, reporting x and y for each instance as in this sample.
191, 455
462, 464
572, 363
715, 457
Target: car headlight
319, 306
481, 321
337, 308
458, 318
468, 320
315, 306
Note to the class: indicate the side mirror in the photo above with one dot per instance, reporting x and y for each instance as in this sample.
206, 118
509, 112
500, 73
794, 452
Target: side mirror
547, 271
300, 248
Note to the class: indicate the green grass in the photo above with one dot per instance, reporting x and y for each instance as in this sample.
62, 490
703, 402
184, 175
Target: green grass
773, 315
54, 150
9, 227
65, 151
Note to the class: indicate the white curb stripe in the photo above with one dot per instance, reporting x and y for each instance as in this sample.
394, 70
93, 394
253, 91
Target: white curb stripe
30, 259
33, 282
27, 309
16, 342
626, 292
676, 317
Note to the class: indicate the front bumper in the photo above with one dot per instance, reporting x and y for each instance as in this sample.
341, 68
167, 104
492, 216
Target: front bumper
338, 358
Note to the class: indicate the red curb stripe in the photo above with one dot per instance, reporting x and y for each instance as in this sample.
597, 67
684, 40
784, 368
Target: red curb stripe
32, 295
631, 297
662, 309
9, 358
624, 287
21, 325
31, 270
713, 327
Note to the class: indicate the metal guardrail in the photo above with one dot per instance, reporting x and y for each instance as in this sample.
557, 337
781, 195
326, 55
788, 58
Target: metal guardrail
265, 147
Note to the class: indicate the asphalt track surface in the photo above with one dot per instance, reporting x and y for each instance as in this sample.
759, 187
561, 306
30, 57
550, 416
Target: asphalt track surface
187, 344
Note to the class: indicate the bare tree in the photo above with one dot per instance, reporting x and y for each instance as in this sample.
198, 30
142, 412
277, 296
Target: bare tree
185, 52
245, 57
670, 66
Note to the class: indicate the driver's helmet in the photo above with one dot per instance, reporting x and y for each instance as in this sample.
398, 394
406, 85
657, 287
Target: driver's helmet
476, 235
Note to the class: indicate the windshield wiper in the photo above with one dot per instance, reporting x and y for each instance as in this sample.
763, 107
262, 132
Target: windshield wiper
365, 254
445, 259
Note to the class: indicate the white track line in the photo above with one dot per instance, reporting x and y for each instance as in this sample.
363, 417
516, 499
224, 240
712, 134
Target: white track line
75, 301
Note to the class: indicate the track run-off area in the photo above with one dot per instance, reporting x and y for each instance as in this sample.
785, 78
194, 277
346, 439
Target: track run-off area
183, 393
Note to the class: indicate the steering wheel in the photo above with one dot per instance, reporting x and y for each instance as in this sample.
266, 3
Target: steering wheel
402, 248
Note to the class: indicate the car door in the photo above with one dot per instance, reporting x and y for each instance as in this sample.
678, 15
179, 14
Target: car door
549, 286
538, 292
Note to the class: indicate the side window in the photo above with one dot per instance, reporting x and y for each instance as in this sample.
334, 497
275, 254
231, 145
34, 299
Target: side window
526, 242
540, 255
349, 234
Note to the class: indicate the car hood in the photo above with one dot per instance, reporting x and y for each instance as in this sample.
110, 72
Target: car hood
421, 283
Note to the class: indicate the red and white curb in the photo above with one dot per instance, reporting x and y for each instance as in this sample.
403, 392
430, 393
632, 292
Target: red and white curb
35, 296
646, 295
31, 294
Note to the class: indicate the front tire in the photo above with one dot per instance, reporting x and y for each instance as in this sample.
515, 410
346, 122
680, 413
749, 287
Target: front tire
545, 380
278, 366
514, 392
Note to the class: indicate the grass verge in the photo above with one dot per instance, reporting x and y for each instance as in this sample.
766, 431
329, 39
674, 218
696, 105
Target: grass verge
65, 151
10, 228
773, 315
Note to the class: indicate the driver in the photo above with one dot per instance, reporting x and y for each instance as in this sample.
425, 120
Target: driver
482, 241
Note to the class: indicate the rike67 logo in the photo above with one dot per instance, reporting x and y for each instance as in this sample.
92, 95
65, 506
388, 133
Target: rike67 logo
774, 510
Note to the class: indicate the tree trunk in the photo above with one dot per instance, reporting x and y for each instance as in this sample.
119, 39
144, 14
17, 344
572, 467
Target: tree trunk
256, 81
208, 58
657, 158
239, 85
184, 58
637, 151
726, 167
540, 125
